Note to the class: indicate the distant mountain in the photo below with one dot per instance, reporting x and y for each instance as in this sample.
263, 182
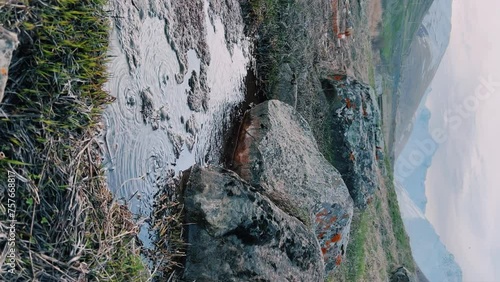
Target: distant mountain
431, 255
420, 65
412, 163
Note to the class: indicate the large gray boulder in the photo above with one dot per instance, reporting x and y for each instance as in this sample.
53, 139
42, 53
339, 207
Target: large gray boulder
235, 233
356, 137
276, 151
8, 43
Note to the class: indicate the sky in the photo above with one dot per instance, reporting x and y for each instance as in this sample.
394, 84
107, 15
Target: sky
463, 182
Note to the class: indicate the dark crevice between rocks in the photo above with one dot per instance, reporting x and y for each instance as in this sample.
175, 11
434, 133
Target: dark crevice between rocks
329, 90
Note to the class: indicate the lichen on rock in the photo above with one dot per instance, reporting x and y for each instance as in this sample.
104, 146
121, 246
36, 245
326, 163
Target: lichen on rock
356, 134
8, 43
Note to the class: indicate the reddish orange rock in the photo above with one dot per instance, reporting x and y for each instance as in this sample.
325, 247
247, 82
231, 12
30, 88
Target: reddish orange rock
241, 156
348, 103
332, 219
336, 238
323, 251
338, 260
338, 77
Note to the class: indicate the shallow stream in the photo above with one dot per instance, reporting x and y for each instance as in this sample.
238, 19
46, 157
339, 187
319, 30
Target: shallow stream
176, 71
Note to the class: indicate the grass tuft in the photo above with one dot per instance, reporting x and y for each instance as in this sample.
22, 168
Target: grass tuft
267, 18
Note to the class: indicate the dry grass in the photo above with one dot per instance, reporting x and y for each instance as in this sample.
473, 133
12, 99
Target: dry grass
375, 17
168, 224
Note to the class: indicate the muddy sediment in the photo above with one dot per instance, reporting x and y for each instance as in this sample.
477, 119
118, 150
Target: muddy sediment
230, 12
197, 97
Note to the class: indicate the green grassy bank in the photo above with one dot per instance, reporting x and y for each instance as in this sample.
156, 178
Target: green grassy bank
67, 226
378, 242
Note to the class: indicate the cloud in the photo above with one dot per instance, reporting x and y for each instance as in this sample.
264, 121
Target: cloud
462, 183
